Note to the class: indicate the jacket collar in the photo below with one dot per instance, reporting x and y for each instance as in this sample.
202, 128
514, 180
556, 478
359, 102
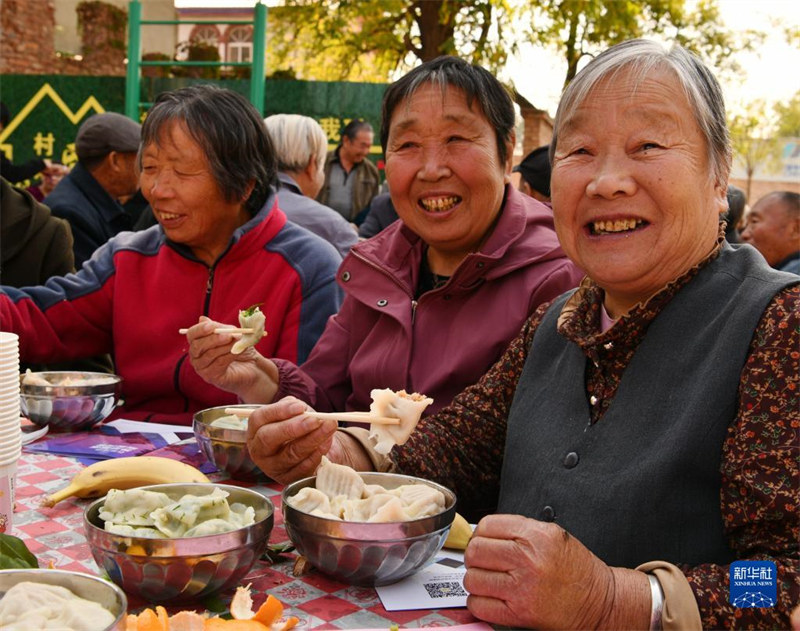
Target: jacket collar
107, 206
288, 182
398, 251
248, 237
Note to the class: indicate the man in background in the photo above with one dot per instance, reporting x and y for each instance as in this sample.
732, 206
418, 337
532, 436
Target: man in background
351, 181
773, 228
300, 145
88, 198
534, 171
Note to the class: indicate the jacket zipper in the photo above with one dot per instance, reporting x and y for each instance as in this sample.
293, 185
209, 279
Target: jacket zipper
209, 287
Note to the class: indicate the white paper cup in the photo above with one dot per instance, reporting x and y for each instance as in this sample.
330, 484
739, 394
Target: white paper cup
10, 446
8, 478
8, 432
9, 404
9, 421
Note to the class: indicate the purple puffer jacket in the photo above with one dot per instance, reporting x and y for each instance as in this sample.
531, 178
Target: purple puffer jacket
448, 338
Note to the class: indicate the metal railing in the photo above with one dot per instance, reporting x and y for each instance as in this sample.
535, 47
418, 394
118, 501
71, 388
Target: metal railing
257, 66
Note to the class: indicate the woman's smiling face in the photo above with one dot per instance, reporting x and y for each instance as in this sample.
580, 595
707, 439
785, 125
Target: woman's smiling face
635, 201
187, 201
444, 170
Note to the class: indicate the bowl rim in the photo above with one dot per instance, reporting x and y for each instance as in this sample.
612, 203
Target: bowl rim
119, 594
113, 386
93, 531
450, 497
202, 427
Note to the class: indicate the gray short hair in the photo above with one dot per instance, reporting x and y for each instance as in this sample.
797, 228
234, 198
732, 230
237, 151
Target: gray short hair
641, 57
231, 133
296, 139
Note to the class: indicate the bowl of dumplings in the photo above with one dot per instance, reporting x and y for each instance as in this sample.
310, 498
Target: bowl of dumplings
367, 529
222, 439
68, 401
41, 598
169, 543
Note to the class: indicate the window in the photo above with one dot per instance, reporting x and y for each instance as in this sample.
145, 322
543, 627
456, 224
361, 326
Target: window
240, 44
205, 34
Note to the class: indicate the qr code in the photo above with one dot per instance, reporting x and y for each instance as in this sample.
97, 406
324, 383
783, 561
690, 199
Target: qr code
448, 589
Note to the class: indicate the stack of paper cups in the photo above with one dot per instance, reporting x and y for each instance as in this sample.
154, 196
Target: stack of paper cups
10, 434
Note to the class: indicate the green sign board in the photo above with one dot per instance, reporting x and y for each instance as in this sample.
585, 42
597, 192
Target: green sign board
46, 110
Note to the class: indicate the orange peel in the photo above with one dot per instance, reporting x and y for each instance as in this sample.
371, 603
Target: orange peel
270, 611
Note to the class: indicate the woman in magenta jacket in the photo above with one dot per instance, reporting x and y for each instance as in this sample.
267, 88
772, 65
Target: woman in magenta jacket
432, 301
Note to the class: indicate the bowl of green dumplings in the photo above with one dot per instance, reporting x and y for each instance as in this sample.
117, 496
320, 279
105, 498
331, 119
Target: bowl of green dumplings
222, 439
394, 525
169, 543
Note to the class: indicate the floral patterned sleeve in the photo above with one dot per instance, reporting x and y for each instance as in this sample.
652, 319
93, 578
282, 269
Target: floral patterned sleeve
462, 445
760, 480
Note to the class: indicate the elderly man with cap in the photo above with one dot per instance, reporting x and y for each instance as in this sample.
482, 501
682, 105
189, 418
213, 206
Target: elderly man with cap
106, 146
534, 173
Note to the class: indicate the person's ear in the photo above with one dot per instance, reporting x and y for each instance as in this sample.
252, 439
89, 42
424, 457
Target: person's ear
512, 140
721, 197
312, 167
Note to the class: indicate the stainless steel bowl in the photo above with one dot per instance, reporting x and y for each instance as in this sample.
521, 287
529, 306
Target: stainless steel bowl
226, 448
86, 586
368, 554
183, 569
67, 407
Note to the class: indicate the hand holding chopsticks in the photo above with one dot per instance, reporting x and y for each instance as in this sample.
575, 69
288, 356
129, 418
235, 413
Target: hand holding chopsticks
357, 417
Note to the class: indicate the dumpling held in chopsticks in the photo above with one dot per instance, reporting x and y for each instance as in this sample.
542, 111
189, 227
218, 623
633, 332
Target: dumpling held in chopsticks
407, 407
251, 318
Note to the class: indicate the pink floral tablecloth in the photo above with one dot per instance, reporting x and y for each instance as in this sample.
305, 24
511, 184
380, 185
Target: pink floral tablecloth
56, 535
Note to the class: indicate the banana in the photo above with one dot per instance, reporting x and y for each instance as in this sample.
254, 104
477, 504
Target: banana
459, 535
125, 473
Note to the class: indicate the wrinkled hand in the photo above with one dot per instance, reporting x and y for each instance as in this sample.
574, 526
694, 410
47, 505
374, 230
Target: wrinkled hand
526, 573
287, 444
211, 357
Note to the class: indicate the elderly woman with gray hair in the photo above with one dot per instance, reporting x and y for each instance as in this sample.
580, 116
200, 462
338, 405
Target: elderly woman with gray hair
208, 170
639, 438
301, 146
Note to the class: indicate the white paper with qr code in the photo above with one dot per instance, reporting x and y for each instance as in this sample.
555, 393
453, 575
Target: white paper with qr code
436, 586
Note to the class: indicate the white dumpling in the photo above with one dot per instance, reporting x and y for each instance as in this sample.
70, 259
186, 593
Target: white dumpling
34, 379
336, 479
29, 605
242, 515
420, 500
372, 489
339, 505
362, 510
231, 421
406, 407
174, 520
133, 531
211, 527
309, 499
132, 507
390, 511
252, 318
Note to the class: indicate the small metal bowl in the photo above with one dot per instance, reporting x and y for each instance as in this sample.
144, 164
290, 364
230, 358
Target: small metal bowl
226, 448
368, 554
70, 408
182, 569
86, 586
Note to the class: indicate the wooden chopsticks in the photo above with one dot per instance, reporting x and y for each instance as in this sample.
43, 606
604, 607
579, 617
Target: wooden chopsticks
357, 417
231, 329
